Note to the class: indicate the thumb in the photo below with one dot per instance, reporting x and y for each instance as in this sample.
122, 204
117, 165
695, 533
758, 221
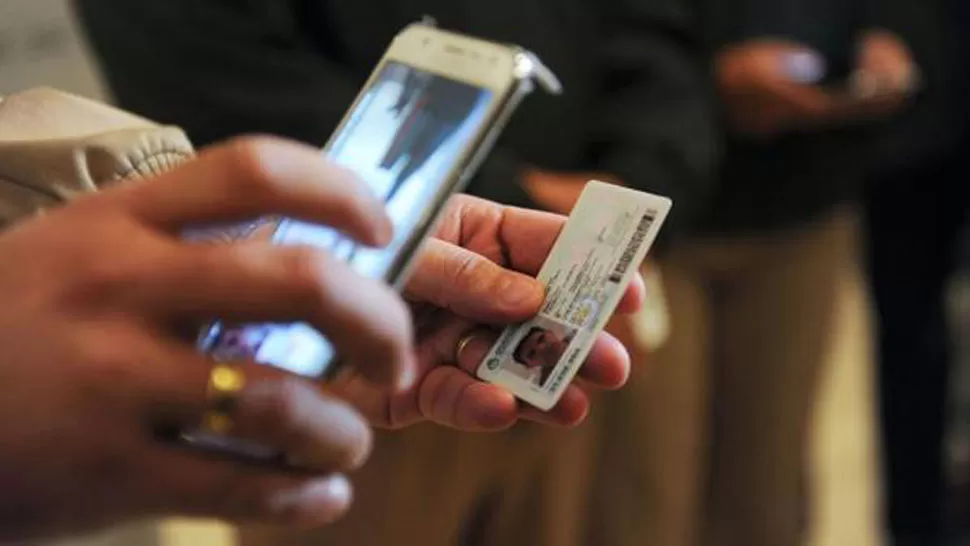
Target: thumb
472, 286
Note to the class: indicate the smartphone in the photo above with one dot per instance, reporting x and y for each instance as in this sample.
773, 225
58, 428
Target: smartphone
423, 122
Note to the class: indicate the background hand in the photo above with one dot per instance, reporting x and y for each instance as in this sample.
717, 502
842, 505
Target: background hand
558, 191
886, 74
768, 86
478, 273
771, 86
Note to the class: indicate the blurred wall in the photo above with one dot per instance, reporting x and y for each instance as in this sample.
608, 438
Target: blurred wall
40, 45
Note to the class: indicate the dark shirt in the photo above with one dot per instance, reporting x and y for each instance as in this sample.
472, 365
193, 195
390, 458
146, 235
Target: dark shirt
637, 103
793, 179
935, 120
959, 12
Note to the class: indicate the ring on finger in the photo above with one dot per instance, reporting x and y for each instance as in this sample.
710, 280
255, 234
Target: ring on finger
463, 344
222, 394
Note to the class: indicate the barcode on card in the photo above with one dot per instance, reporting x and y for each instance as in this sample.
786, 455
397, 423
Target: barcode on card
631, 250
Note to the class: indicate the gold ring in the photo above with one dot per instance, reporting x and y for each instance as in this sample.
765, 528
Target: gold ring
462, 345
221, 395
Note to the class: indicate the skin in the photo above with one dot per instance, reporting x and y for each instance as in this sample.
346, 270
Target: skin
100, 299
559, 191
762, 97
493, 250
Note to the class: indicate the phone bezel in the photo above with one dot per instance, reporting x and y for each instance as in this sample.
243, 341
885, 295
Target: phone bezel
481, 63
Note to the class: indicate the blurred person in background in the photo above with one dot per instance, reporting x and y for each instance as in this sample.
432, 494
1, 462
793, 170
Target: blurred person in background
636, 112
716, 444
917, 207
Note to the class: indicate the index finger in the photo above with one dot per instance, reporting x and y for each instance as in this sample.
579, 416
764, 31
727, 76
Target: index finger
363, 318
255, 177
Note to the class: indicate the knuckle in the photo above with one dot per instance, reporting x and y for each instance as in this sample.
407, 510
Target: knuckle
108, 350
103, 273
97, 276
252, 158
466, 270
100, 278
307, 267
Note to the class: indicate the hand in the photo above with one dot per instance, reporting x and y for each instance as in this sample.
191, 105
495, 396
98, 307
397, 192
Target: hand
557, 191
479, 273
768, 86
94, 296
885, 75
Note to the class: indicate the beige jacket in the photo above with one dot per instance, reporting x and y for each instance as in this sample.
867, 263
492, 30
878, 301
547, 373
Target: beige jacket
54, 145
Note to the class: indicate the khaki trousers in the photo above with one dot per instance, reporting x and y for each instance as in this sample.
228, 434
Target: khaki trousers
429, 486
709, 444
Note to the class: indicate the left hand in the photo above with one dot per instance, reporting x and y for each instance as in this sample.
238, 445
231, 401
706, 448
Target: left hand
478, 273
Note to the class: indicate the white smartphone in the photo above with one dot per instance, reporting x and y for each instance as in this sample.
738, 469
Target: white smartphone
425, 119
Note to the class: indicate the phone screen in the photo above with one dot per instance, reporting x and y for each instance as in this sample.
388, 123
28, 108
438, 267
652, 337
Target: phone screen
403, 137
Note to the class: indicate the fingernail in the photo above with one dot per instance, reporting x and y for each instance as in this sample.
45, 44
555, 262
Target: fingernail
520, 290
407, 378
385, 228
316, 503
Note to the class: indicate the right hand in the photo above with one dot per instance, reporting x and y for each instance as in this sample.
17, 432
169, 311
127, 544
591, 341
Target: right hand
94, 297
